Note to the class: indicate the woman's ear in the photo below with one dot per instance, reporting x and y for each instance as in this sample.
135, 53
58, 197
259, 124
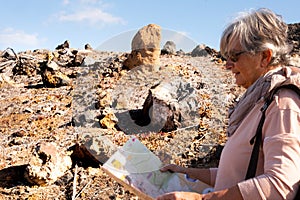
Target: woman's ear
266, 57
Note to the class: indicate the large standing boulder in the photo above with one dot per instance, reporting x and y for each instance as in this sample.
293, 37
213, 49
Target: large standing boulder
145, 47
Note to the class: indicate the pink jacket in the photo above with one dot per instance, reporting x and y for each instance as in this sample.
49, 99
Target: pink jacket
278, 171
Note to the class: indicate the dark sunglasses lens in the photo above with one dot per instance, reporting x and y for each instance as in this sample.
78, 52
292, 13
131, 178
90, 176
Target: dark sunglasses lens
235, 57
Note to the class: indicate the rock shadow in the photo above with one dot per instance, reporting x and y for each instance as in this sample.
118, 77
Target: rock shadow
13, 176
36, 86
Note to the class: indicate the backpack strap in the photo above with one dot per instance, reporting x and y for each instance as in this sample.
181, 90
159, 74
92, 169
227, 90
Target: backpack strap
257, 139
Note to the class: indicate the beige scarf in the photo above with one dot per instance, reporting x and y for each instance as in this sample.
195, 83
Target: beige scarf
259, 91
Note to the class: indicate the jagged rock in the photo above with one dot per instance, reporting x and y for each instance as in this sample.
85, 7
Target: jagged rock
162, 110
180, 53
88, 47
168, 106
52, 76
294, 37
65, 45
93, 147
47, 164
109, 121
169, 48
145, 47
171, 105
212, 52
6, 80
8, 59
199, 51
10, 54
78, 59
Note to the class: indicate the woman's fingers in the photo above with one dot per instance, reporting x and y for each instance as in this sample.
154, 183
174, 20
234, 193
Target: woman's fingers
172, 168
180, 196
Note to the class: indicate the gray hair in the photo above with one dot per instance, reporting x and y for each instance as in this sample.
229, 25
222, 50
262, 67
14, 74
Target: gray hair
258, 30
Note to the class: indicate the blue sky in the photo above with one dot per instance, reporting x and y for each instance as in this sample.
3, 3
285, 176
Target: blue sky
111, 24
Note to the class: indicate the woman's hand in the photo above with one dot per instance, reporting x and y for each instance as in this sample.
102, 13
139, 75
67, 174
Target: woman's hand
194, 173
173, 168
180, 196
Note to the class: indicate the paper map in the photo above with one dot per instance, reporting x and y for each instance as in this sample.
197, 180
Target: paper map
138, 167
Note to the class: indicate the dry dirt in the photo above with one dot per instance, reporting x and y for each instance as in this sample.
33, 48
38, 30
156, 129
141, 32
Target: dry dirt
31, 113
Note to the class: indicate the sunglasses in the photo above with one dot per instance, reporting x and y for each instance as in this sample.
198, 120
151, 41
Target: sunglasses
234, 56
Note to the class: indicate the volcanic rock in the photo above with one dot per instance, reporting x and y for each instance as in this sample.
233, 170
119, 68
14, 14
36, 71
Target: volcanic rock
10, 54
47, 164
199, 51
145, 47
94, 146
88, 47
65, 45
169, 48
294, 37
162, 110
52, 76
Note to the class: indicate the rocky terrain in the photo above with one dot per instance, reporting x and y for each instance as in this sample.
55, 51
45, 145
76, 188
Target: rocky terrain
64, 112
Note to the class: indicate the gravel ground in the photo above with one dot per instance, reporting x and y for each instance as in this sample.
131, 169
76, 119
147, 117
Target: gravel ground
30, 113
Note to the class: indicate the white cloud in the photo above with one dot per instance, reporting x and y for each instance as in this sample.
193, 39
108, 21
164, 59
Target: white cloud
10, 37
66, 2
90, 1
92, 16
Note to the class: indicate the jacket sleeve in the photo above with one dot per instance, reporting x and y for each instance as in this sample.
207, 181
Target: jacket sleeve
281, 151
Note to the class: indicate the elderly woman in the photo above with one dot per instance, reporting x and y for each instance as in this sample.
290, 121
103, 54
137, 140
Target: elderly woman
256, 49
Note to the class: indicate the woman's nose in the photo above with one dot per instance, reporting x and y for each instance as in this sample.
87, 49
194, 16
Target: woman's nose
228, 64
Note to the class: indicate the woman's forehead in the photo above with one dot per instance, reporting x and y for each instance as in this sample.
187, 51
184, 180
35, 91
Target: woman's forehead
233, 45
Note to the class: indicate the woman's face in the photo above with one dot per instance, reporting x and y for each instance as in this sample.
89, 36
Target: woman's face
246, 67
